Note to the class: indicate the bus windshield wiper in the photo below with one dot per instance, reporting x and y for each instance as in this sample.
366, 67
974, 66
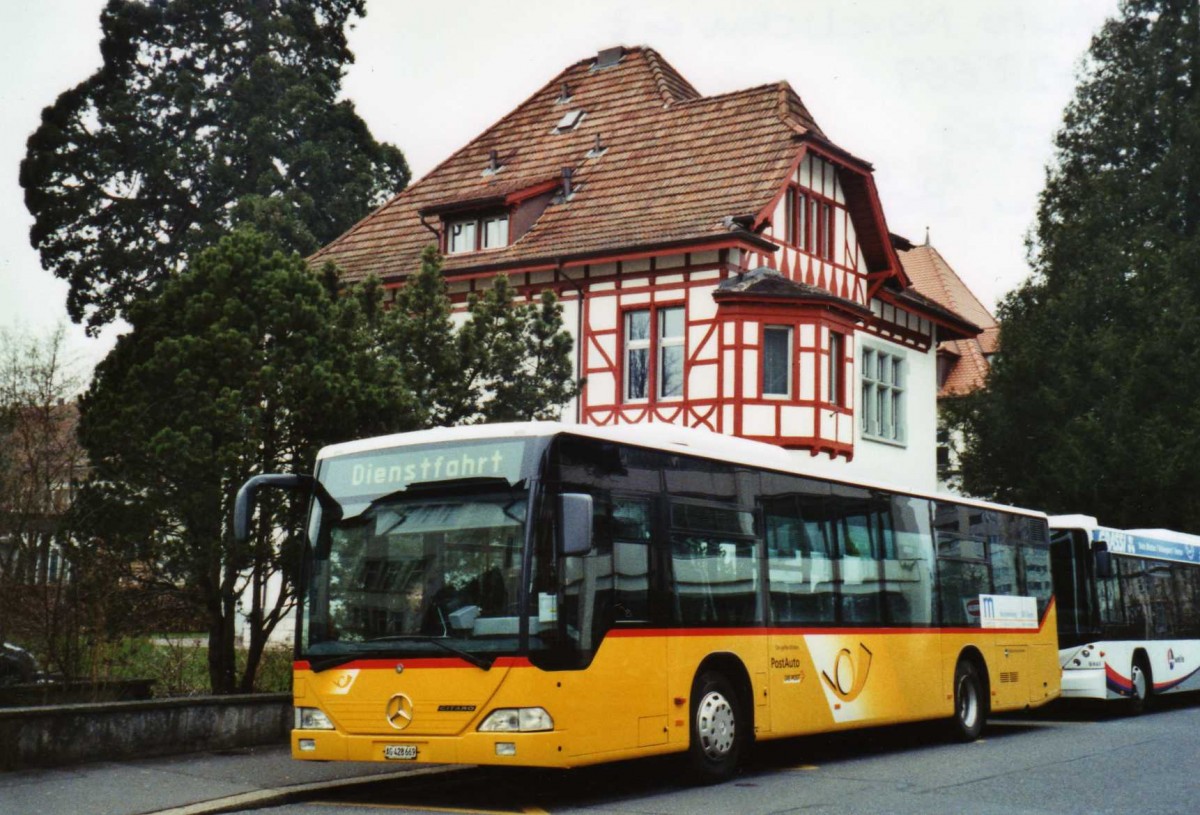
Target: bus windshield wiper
474, 659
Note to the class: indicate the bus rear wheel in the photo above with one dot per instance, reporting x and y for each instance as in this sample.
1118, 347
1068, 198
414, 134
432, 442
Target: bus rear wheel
970, 702
1139, 677
716, 729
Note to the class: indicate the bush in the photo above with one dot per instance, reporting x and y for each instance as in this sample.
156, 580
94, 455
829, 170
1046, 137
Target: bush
178, 664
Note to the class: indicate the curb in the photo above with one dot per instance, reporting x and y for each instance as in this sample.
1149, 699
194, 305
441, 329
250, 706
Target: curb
258, 799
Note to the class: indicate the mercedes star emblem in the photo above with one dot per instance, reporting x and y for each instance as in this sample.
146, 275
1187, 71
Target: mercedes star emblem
399, 711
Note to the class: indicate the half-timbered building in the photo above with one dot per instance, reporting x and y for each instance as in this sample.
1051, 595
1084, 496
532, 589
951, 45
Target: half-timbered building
721, 263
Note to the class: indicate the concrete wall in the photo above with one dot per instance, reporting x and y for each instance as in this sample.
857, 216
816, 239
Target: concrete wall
72, 734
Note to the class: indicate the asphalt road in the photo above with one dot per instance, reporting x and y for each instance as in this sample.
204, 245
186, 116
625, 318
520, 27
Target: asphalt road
1057, 760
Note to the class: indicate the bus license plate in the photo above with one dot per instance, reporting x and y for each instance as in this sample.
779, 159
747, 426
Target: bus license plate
400, 752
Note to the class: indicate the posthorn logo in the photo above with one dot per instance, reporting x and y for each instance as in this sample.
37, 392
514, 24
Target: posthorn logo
849, 676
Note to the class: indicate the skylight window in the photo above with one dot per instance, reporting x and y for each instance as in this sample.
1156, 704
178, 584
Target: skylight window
569, 121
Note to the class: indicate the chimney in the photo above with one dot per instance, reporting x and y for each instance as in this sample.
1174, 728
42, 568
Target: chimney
493, 161
565, 96
566, 184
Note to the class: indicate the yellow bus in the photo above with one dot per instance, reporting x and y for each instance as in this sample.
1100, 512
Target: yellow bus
557, 595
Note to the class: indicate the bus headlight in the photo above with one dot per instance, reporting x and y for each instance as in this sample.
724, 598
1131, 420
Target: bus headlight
311, 718
517, 720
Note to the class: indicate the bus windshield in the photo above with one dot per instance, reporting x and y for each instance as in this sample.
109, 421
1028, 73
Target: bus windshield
430, 569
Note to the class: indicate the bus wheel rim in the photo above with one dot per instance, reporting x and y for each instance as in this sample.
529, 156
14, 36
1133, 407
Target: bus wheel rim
968, 704
1139, 683
714, 725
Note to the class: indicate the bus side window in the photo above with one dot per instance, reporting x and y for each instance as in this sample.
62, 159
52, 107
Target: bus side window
963, 570
1108, 597
800, 570
1131, 576
714, 564
1159, 578
631, 524
1187, 590
908, 567
1003, 549
854, 516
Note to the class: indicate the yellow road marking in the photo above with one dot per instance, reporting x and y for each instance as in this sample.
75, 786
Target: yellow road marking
424, 808
807, 767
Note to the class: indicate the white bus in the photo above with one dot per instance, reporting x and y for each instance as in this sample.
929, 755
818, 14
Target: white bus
1128, 610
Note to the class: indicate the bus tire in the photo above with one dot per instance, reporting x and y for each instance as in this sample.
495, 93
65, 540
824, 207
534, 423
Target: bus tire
1142, 681
970, 702
717, 725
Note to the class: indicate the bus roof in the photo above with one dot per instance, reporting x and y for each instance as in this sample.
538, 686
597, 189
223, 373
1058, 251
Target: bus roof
664, 437
1159, 544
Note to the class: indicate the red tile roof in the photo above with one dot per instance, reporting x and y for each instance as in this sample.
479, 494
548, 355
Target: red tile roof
675, 168
933, 277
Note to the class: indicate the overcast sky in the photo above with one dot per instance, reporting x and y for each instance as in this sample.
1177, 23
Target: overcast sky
955, 103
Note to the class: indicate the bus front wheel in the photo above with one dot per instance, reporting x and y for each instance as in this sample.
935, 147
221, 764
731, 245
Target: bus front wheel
716, 737
970, 702
1139, 676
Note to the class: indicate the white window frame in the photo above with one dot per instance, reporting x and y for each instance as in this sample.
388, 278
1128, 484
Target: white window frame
665, 342
479, 234
883, 401
502, 232
456, 240
636, 345
788, 362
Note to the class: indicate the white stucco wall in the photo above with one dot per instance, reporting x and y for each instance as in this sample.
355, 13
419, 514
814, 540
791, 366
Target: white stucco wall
912, 465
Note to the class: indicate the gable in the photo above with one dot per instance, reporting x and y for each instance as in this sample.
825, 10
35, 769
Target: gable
652, 163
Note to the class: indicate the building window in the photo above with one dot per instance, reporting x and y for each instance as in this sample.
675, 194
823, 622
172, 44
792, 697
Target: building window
777, 361
665, 347
835, 387
461, 236
637, 355
495, 232
822, 215
809, 223
670, 352
882, 405
490, 232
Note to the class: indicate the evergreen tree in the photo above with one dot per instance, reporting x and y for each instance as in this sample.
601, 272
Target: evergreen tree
1093, 404
420, 336
508, 361
531, 375
243, 364
205, 114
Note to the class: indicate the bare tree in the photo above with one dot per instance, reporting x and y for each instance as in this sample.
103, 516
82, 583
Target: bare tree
41, 461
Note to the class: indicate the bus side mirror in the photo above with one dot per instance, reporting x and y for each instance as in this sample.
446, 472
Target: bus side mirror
243, 505
1104, 567
575, 523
